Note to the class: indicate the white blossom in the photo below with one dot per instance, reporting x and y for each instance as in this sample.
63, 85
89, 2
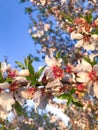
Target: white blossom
52, 61
46, 27
4, 67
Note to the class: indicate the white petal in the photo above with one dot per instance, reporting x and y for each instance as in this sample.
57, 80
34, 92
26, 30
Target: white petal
24, 72
48, 61
79, 43
75, 35
4, 66
6, 100
94, 36
88, 46
54, 83
18, 97
52, 61
86, 66
83, 66
4, 85
46, 27
95, 88
83, 77
3, 114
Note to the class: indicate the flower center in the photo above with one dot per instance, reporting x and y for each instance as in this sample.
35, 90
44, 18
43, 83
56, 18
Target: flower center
68, 69
92, 75
58, 72
86, 38
80, 87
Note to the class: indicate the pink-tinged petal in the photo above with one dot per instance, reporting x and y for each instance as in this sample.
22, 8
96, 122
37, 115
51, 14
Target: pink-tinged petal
52, 61
79, 43
90, 87
82, 77
86, 66
95, 69
4, 85
53, 84
95, 88
82, 66
49, 61
75, 35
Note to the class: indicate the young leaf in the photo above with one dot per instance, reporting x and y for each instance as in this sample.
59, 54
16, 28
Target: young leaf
78, 104
69, 101
20, 64
38, 74
58, 54
70, 19
28, 10
74, 99
18, 108
28, 60
31, 69
1, 77
63, 96
8, 80
72, 91
89, 17
89, 61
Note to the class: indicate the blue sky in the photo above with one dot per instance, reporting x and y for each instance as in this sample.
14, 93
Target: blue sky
15, 41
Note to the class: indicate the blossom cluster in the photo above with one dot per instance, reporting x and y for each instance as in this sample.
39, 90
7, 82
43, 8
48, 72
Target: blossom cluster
70, 73
69, 82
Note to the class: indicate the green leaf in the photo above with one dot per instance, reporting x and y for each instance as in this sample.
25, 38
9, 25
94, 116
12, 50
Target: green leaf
58, 54
63, 96
43, 10
89, 18
8, 80
0, 65
69, 101
1, 77
89, 61
74, 99
95, 31
20, 64
72, 91
69, 18
32, 80
28, 10
18, 108
38, 74
78, 104
28, 60
31, 69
